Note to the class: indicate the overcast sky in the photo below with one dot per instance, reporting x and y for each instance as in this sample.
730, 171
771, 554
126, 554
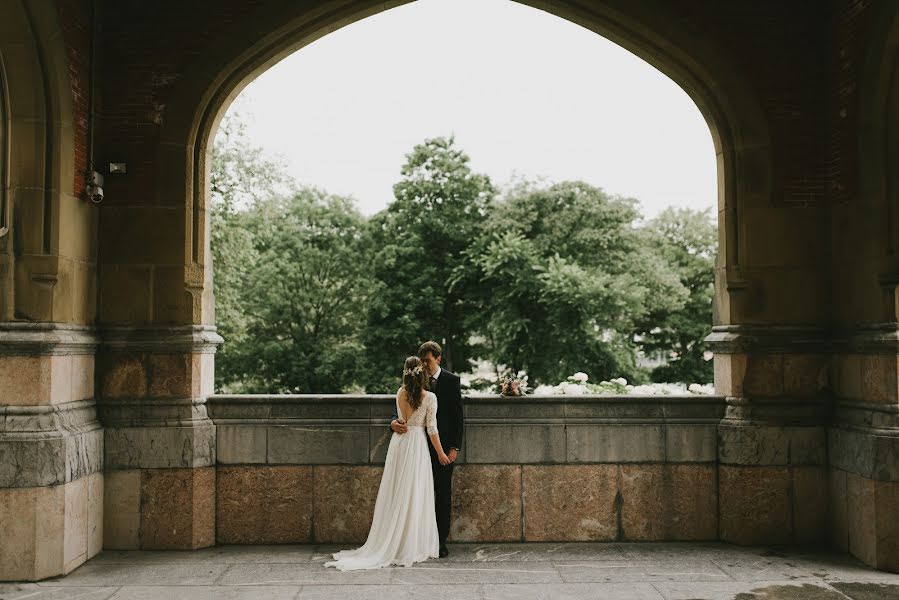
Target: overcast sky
525, 93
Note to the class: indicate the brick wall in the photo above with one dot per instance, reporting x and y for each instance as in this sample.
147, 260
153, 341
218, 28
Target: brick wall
75, 19
849, 23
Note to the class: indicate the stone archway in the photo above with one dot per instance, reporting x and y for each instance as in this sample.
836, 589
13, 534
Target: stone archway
169, 75
169, 344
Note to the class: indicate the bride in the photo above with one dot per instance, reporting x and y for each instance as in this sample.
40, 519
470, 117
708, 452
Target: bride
404, 527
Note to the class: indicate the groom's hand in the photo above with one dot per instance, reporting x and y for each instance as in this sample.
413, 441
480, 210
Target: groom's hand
453, 453
398, 426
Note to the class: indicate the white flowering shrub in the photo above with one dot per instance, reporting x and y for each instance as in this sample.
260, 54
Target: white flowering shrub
578, 385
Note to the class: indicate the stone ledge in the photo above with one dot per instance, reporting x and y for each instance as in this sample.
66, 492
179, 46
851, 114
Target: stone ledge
40, 339
163, 340
872, 338
755, 445
160, 447
49, 445
865, 452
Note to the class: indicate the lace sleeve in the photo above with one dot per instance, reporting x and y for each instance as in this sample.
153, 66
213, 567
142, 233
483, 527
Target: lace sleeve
431, 415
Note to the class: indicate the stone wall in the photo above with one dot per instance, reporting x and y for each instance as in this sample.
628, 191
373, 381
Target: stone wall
298, 469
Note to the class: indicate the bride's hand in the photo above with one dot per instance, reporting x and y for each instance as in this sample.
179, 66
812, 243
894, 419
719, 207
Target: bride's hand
444, 459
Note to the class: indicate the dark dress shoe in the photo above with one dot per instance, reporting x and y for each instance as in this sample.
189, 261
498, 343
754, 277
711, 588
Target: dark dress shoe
443, 552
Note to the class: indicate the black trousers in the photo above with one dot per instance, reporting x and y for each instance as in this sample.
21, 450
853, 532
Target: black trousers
443, 496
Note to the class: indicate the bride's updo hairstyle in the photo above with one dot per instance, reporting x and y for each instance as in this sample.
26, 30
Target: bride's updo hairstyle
415, 380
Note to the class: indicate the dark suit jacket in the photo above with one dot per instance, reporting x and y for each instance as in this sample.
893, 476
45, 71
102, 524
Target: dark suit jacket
450, 421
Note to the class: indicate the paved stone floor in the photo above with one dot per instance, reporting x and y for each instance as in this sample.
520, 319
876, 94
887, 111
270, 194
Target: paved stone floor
497, 571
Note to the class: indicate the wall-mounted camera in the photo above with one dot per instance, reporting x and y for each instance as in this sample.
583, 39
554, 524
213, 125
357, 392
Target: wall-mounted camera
94, 188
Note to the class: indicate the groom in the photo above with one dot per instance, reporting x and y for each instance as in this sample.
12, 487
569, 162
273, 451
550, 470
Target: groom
448, 390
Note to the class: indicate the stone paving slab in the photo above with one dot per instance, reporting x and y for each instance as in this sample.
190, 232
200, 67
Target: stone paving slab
545, 571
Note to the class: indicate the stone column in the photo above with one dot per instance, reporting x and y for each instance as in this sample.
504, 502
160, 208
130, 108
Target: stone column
51, 450
863, 443
772, 440
160, 444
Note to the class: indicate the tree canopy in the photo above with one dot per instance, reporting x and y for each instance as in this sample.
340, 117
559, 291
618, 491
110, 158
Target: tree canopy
312, 297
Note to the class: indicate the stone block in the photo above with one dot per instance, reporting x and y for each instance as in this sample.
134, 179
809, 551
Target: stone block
755, 505
121, 509
668, 502
172, 301
861, 518
82, 376
508, 443
241, 444
264, 505
125, 281
810, 490
312, 445
772, 445
838, 526
691, 443
886, 507
84, 453
142, 235
25, 380
805, 375
879, 379
177, 510
75, 524
616, 443
170, 375
122, 375
764, 375
730, 370
48, 531
95, 501
160, 447
847, 369
344, 502
378, 442
568, 503
486, 503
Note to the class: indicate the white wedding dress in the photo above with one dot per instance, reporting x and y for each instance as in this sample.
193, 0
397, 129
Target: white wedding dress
404, 527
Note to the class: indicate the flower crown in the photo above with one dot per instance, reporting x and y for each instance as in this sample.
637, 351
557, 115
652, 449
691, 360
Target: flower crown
415, 371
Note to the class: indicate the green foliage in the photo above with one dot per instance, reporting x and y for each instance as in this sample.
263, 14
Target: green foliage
311, 297
306, 295
240, 176
564, 278
289, 276
420, 240
687, 241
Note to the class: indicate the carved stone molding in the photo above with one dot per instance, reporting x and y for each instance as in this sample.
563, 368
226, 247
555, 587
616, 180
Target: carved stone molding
40, 339
161, 340
49, 445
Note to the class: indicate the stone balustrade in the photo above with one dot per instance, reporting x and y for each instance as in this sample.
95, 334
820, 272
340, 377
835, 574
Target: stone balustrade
553, 468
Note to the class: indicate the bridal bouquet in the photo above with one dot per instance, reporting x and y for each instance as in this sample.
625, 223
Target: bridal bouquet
513, 386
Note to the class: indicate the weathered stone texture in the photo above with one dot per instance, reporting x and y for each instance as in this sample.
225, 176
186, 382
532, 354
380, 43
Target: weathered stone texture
570, 503
177, 508
755, 504
264, 505
486, 503
121, 512
344, 501
810, 513
669, 502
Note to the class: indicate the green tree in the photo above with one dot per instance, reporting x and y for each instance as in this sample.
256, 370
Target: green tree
564, 277
240, 175
305, 300
421, 239
687, 240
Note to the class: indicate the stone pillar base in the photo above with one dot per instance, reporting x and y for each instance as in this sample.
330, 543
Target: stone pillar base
49, 531
159, 509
